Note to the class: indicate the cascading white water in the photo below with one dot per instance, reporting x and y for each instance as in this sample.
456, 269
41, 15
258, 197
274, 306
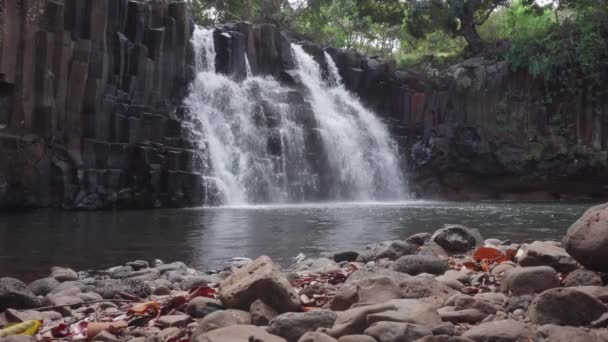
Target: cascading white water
265, 144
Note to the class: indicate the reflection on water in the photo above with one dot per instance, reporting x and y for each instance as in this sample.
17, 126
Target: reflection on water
32, 242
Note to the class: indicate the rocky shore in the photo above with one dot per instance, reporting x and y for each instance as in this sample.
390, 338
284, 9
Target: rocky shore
451, 285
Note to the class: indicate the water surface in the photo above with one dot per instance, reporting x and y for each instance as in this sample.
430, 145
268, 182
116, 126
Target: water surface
32, 242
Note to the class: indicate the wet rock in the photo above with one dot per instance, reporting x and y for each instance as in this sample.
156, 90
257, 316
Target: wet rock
548, 253
15, 294
504, 331
173, 321
111, 287
397, 332
587, 239
63, 274
262, 314
241, 333
526, 280
42, 287
470, 316
260, 279
582, 277
457, 238
388, 249
163, 268
316, 337
419, 239
416, 264
555, 333
200, 307
346, 256
221, 319
138, 264
356, 338
565, 306
370, 291
291, 326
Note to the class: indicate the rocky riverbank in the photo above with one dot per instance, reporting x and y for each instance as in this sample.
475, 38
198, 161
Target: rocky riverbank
451, 285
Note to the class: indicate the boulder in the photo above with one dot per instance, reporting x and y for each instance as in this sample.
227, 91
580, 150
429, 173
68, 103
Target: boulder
15, 294
370, 291
63, 274
260, 279
503, 331
583, 277
261, 314
222, 319
419, 239
556, 333
416, 264
565, 306
587, 239
316, 337
356, 338
291, 326
240, 333
138, 264
346, 256
397, 332
457, 238
598, 292
547, 253
42, 287
526, 280
388, 249
200, 307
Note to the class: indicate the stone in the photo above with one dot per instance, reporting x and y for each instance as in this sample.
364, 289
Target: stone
89, 296
547, 253
240, 333
598, 292
425, 287
419, 239
354, 321
161, 291
462, 302
470, 316
565, 306
587, 239
583, 277
200, 307
324, 265
221, 319
18, 338
193, 283
444, 338
65, 303
369, 271
105, 336
15, 294
450, 281
457, 238
110, 287
70, 285
356, 338
120, 272
348, 256
408, 311
316, 337
369, 291
178, 265
138, 264
397, 332
388, 249
63, 274
13, 315
42, 287
555, 333
416, 264
170, 333
503, 331
173, 321
291, 326
261, 314
526, 280
519, 302
260, 279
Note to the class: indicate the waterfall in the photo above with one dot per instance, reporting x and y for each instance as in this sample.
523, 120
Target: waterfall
268, 143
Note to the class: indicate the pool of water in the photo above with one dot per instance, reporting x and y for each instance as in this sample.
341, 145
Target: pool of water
32, 242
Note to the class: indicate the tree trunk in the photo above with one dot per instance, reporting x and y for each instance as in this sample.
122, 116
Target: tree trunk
248, 10
469, 32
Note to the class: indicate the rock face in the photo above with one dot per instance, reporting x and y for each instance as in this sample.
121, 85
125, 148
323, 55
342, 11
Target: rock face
587, 239
260, 279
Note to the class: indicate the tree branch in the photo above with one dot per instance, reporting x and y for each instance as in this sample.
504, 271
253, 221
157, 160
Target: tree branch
487, 15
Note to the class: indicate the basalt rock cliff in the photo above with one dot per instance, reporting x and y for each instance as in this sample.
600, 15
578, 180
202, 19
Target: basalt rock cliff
92, 114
